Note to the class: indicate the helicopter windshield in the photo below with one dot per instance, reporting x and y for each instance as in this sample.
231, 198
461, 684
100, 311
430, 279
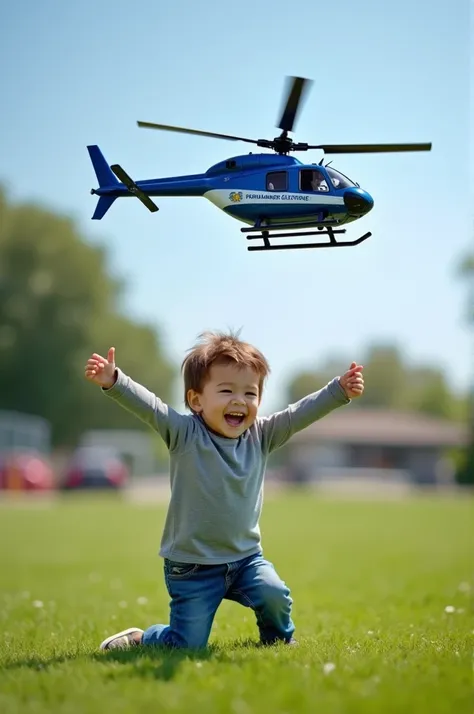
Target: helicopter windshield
338, 180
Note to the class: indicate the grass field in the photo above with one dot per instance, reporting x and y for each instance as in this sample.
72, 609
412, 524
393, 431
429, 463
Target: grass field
371, 583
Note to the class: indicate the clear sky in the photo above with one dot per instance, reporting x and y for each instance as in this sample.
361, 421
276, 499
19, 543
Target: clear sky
78, 73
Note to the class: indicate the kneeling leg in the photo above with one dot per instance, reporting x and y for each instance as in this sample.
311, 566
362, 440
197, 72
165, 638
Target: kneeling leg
258, 586
196, 592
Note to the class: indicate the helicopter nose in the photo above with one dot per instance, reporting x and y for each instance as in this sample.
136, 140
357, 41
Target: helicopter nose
358, 202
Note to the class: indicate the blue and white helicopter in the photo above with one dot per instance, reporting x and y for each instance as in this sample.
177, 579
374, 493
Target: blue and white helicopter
268, 192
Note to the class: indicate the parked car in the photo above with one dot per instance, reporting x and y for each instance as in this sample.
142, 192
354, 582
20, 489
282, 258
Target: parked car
95, 467
25, 471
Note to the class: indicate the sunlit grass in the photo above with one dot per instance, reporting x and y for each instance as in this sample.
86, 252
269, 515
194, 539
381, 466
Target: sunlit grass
382, 604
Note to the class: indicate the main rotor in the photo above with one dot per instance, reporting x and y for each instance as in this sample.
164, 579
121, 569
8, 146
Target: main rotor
296, 90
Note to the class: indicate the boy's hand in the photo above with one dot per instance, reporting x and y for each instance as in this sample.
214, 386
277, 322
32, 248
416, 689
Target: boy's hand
352, 381
101, 371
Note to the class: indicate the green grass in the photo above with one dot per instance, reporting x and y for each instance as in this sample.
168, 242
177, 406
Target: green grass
370, 583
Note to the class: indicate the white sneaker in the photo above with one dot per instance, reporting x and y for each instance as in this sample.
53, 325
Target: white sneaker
122, 640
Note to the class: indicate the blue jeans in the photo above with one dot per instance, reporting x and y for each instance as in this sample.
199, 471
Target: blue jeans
196, 592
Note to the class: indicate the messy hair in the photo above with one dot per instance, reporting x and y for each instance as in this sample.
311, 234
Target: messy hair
220, 348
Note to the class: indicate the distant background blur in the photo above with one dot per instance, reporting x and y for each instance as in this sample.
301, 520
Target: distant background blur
401, 303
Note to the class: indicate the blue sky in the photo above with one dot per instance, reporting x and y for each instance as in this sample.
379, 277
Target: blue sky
83, 73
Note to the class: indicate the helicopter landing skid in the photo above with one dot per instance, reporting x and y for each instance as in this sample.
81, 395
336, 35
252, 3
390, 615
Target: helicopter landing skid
328, 231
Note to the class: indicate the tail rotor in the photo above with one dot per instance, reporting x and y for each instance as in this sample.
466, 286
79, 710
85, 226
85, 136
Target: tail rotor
112, 180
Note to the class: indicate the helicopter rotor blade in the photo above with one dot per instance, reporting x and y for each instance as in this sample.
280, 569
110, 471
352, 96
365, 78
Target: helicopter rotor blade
183, 130
297, 86
364, 148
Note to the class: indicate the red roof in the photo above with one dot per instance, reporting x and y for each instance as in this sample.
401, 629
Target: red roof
379, 426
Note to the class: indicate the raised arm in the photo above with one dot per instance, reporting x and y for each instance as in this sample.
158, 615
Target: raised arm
278, 428
175, 429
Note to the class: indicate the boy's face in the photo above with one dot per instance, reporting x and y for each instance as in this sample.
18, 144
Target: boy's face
229, 399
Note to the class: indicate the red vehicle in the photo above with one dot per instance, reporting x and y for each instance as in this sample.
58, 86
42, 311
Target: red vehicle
25, 471
96, 467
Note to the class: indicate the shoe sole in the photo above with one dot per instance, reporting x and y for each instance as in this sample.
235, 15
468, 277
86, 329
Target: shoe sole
128, 631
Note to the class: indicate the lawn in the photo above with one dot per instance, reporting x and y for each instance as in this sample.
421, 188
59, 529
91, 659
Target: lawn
382, 604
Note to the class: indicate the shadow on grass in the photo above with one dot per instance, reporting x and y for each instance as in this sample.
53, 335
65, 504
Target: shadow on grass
146, 662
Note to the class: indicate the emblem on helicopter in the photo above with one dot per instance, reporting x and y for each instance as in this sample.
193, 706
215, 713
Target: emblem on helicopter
279, 192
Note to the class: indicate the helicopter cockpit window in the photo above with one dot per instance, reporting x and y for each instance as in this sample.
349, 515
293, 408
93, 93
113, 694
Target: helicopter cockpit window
313, 180
277, 181
338, 180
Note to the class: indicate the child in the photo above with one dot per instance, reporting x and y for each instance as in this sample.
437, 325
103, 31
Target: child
211, 542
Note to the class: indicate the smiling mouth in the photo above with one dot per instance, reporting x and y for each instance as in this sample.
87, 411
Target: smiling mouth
234, 418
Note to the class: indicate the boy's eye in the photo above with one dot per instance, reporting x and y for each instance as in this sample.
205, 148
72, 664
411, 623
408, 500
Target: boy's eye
226, 390
251, 394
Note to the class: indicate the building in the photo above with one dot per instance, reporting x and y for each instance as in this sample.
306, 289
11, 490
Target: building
20, 431
370, 442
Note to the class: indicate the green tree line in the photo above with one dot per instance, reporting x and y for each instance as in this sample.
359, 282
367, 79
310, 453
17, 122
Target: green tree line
59, 303
390, 382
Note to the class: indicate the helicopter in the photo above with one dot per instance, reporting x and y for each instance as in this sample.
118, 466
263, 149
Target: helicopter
268, 192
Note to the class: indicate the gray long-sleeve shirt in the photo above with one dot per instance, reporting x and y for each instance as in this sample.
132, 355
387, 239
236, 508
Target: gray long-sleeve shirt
217, 482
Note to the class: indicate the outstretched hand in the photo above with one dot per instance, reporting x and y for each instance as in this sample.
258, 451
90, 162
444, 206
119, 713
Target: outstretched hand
352, 381
101, 371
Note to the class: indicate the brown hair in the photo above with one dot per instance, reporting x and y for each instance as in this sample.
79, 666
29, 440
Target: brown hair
222, 348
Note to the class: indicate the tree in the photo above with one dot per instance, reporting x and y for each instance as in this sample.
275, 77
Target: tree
385, 384
58, 303
390, 383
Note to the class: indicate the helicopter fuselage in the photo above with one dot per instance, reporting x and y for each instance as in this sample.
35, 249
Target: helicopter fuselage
264, 187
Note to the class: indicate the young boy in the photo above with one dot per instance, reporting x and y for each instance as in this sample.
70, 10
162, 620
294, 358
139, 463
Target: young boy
211, 542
